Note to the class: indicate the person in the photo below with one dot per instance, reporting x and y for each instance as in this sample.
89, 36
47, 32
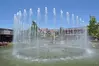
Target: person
34, 29
53, 37
0, 43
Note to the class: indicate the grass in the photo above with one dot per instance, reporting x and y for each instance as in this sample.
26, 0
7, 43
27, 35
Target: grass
10, 44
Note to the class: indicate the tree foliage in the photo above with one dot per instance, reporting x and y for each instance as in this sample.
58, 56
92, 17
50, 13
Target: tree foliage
93, 27
97, 30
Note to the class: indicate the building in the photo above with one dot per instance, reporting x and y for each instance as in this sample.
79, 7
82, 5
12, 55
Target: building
6, 35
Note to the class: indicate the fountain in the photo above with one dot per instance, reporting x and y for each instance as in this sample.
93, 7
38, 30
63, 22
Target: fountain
33, 43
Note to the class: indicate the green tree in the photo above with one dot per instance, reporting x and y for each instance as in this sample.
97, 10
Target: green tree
92, 28
97, 30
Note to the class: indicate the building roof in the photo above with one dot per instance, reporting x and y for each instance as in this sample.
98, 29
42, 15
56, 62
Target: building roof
6, 29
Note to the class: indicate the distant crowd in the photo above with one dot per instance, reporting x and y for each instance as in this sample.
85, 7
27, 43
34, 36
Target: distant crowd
4, 43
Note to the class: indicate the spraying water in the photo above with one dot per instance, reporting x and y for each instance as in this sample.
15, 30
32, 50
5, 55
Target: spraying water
36, 44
